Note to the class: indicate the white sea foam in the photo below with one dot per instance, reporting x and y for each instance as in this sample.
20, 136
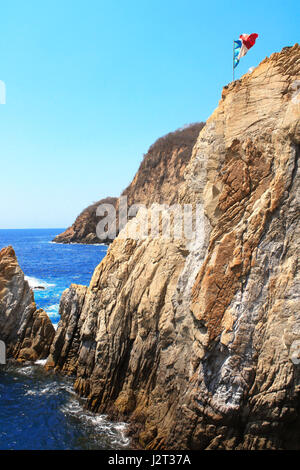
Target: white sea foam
31, 392
51, 389
26, 370
48, 389
81, 244
96, 426
41, 362
35, 283
53, 314
99, 423
74, 408
52, 310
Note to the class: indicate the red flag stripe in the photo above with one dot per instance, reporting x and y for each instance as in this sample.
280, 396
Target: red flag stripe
249, 39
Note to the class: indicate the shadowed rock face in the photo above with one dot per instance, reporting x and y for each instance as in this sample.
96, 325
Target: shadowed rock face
197, 342
26, 331
84, 228
157, 181
66, 344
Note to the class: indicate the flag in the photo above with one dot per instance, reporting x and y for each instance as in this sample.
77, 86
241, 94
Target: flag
242, 46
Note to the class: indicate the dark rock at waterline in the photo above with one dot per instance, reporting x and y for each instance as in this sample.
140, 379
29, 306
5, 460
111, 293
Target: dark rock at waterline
26, 330
84, 228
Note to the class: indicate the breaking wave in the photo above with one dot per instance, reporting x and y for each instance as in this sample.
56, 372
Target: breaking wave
41, 411
35, 283
114, 432
52, 312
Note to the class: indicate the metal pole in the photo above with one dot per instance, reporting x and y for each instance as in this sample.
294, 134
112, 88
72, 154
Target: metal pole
233, 62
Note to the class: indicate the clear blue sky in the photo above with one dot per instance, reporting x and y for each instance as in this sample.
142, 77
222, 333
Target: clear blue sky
92, 84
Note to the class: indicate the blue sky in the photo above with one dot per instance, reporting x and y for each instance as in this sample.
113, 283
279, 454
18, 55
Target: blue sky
90, 85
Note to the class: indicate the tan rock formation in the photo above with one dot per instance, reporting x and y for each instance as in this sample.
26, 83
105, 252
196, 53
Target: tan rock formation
197, 342
65, 347
26, 331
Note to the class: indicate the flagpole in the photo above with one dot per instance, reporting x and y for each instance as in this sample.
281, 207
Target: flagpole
233, 62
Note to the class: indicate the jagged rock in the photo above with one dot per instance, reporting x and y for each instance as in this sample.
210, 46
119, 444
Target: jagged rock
65, 347
197, 342
157, 181
26, 331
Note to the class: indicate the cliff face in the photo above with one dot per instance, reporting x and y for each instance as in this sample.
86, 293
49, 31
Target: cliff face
197, 342
157, 181
26, 331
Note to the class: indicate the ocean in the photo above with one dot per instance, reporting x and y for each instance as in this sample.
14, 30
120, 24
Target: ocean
38, 409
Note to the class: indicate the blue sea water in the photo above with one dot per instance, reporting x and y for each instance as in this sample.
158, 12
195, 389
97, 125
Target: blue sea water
49, 267
38, 409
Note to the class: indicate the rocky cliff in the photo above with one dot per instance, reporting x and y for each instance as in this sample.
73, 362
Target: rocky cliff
84, 228
26, 331
157, 180
196, 341
161, 172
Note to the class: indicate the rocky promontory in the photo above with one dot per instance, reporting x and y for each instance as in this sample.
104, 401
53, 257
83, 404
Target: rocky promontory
157, 180
84, 228
196, 341
26, 331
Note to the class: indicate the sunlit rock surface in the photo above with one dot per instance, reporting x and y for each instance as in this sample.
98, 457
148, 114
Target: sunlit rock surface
26, 331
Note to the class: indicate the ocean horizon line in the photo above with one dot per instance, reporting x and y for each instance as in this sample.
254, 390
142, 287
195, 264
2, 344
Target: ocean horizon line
35, 228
